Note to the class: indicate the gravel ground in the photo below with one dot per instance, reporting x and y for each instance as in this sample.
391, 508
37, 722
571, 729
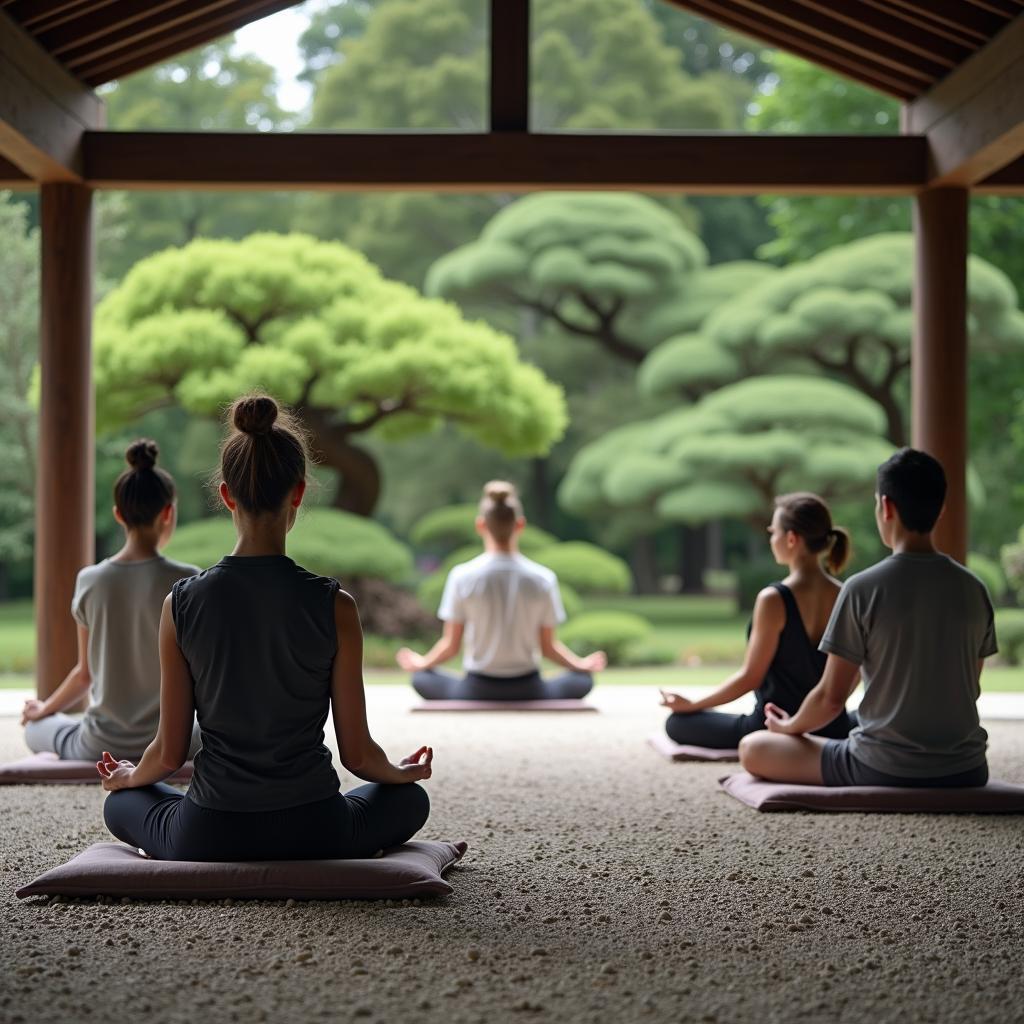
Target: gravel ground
601, 885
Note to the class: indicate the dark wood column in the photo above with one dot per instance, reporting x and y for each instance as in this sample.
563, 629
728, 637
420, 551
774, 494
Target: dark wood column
65, 478
939, 357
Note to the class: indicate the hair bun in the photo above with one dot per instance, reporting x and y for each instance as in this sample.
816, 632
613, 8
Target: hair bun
142, 454
499, 492
254, 414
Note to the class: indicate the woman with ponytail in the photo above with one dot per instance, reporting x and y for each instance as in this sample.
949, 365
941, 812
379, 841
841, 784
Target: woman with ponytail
507, 608
116, 605
262, 651
782, 663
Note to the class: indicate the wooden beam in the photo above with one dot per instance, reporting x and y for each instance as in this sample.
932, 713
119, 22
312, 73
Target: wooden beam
64, 488
938, 366
1006, 182
803, 44
13, 177
974, 118
698, 163
37, 16
967, 22
44, 111
510, 66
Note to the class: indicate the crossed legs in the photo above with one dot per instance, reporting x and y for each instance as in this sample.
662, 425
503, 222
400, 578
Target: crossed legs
781, 758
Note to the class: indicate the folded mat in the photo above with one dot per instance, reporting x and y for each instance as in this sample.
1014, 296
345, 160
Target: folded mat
687, 752
113, 869
995, 798
504, 705
48, 769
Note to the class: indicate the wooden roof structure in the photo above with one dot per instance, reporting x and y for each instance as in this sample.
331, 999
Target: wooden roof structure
957, 66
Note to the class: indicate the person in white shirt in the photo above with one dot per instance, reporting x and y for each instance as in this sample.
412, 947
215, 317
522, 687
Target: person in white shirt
505, 609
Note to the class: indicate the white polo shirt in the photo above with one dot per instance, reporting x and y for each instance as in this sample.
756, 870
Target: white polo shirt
503, 600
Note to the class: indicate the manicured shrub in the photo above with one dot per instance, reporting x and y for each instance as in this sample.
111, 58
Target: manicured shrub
988, 571
752, 578
1010, 633
587, 568
1012, 557
612, 632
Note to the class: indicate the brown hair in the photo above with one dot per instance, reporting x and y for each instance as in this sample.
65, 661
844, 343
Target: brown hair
809, 517
143, 490
501, 508
264, 455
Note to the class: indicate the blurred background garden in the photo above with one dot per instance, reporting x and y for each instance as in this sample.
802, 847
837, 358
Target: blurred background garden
649, 370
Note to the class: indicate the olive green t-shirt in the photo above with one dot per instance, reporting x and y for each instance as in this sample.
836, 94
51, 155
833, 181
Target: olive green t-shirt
120, 604
917, 625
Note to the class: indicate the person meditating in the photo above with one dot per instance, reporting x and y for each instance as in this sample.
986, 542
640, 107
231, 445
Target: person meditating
506, 607
917, 627
262, 650
116, 606
782, 661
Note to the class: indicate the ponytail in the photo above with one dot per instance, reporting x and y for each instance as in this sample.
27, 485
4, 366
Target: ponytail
808, 516
839, 553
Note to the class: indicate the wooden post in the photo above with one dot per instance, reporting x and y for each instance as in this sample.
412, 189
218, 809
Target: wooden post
65, 479
510, 66
939, 356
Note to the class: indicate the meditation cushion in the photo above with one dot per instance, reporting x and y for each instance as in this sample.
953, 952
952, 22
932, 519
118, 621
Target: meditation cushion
48, 769
504, 705
995, 798
113, 869
668, 747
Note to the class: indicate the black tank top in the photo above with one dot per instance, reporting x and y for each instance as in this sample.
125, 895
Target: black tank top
259, 637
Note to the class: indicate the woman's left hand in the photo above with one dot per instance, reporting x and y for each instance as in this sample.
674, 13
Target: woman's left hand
778, 721
115, 774
676, 703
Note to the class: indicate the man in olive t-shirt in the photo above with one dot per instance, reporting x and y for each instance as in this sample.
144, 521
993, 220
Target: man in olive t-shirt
916, 627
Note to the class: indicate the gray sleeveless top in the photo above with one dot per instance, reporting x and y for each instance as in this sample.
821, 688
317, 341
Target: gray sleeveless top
259, 637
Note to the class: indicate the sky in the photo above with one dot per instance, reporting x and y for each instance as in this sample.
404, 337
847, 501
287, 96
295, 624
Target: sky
276, 41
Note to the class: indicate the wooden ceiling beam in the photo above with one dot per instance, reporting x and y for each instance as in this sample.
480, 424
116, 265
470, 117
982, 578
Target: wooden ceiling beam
698, 163
12, 177
970, 21
37, 16
974, 118
44, 111
1006, 182
136, 56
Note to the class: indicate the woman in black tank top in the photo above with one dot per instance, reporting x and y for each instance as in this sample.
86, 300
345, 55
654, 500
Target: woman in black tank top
262, 651
782, 662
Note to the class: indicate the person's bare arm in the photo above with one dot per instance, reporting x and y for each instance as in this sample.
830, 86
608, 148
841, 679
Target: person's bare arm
769, 619
554, 650
359, 753
74, 687
167, 753
449, 644
822, 704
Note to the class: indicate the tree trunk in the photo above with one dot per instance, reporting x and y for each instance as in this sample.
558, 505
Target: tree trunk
693, 551
359, 481
644, 564
895, 425
716, 545
540, 506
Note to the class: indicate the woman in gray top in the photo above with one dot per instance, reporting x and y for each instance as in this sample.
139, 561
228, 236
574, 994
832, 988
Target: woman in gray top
117, 606
262, 651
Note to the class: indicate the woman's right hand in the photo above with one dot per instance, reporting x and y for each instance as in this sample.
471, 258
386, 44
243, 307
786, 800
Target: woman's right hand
417, 767
596, 662
32, 711
409, 660
676, 703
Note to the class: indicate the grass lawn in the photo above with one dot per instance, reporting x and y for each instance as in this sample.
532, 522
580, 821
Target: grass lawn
17, 637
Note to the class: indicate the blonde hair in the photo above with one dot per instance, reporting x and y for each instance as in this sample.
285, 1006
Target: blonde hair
500, 509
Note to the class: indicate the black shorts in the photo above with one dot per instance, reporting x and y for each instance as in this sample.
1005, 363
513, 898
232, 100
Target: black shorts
840, 768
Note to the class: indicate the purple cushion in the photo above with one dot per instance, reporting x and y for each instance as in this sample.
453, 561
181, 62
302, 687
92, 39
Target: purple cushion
113, 869
995, 798
48, 769
687, 752
504, 705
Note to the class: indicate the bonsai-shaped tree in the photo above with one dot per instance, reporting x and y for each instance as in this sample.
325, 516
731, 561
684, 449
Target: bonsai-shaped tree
731, 453
593, 264
316, 325
847, 313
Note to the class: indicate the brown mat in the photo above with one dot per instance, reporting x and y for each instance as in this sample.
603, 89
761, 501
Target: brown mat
48, 769
503, 705
995, 798
113, 869
673, 751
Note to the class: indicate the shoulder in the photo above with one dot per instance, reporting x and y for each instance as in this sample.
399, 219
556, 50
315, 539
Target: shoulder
315, 581
179, 570
539, 572
869, 579
88, 576
769, 605
971, 580
462, 570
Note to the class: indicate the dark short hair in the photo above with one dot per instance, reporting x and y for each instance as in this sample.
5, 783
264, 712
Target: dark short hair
915, 483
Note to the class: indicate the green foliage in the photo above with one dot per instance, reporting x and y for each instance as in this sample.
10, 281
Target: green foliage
587, 568
731, 453
1010, 635
612, 632
443, 528
1012, 559
324, 541
988, 571
751, 578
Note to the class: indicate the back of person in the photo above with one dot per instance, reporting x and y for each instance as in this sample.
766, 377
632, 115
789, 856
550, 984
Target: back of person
504, 600
259, 637
918, 625
119, 603
797, 664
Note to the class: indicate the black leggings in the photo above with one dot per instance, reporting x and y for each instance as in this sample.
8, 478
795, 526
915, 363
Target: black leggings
170, 826
433, 685
722, 731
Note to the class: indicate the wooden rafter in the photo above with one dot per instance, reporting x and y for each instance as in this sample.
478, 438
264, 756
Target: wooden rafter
510, 66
